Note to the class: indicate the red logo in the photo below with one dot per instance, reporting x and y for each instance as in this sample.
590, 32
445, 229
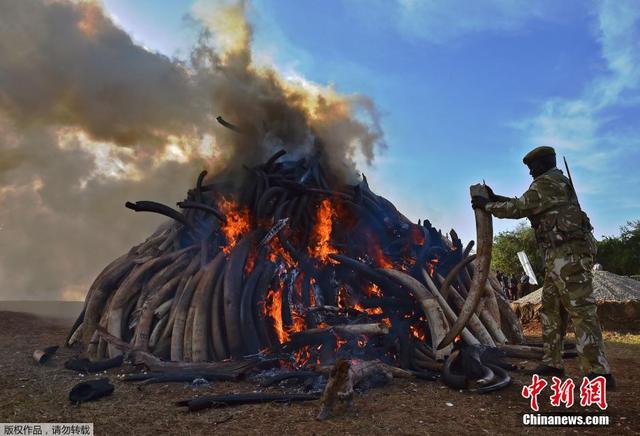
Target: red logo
562, 392
594, 392
591, 392
532, 391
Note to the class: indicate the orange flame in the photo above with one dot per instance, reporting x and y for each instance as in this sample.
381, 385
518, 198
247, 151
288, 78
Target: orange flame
416, 235
342, 297
273, 309
417, 333
431, 267
362, 341
303, 355
277, 250
237, 223
373, 291
320, 246
251, 261
299, 323
379, 257
369, 310
312, 295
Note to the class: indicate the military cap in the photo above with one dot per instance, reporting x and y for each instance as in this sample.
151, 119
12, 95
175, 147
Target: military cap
537, 152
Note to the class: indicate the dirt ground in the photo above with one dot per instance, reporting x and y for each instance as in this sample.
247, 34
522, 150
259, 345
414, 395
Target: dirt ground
31, 393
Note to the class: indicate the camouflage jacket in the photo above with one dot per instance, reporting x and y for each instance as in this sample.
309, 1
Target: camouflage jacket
553, 209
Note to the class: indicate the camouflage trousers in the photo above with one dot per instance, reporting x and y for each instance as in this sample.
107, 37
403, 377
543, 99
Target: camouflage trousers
568, 293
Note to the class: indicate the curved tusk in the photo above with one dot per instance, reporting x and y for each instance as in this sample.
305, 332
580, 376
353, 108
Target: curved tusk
444, 288
487, 375
467, 336
475, 325
484, 230
435, 316
504, 380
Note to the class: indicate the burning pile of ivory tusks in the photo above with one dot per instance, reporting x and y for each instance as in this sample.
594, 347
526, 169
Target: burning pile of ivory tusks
285, 261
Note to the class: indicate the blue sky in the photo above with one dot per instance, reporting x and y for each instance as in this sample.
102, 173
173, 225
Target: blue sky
465, 89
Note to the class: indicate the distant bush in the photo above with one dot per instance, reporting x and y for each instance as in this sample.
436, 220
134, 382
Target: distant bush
621, 254
617, 254
505, 251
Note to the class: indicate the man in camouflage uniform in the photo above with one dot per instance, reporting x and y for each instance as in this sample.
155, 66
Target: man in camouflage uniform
564, 235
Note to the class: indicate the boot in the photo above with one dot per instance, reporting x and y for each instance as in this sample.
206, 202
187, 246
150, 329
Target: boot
543, 369
611, 382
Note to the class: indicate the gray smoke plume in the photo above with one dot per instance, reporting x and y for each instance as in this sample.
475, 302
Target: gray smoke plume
89, 119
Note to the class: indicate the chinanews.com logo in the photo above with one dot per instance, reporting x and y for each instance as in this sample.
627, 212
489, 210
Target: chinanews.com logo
593, 392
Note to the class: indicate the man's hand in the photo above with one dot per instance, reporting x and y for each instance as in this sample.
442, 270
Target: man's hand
479, 202
492, 195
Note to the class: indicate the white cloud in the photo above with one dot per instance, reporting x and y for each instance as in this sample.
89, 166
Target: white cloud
580, 124
593, 128
443, 21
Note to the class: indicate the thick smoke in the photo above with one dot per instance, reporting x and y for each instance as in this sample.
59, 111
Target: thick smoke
89, 119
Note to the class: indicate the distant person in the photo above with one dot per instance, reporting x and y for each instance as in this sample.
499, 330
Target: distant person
499, 278
524, 286
505, 286
513, 285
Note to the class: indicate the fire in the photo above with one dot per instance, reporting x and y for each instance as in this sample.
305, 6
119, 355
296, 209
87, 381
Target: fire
416, 235
278, 251
273, 309
374, 291
320, 246
379, 257
251, 261
431, 267
297, 285
342, 297
369, 310
237, 223
386, 322
302, 356
299, 323
362, 341
417, 333
312, 295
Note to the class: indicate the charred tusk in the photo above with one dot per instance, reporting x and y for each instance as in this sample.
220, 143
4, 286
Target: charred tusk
449, 378
451, 316
42, 356
435, 316
503, 382
484, 229
487, 376
475, 325
444, 288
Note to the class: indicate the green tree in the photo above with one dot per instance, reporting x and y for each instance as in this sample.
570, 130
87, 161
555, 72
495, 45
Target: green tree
506, 246
621, 254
